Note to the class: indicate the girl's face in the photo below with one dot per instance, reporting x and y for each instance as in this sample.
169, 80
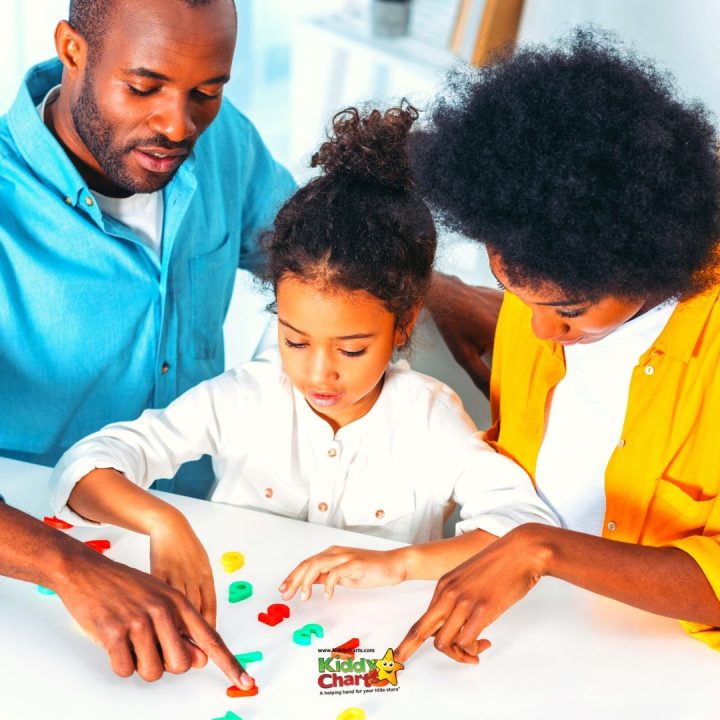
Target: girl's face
335, 346
566, 320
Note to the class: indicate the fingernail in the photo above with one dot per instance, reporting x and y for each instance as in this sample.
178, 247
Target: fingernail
327, 595
246, 681
304, 595
282, 588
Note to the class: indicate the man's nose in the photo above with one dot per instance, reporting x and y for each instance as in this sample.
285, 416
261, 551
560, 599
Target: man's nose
173, 119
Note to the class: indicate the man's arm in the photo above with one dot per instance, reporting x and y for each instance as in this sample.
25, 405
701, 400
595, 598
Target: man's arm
466, 317
665, 581
142, 623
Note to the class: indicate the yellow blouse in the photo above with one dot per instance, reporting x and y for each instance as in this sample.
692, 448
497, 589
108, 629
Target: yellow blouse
663, 478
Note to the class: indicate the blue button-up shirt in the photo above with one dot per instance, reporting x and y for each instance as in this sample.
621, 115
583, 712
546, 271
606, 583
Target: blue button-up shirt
94, 327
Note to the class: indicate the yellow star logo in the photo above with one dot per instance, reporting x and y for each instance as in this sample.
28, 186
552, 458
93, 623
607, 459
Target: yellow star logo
387, 667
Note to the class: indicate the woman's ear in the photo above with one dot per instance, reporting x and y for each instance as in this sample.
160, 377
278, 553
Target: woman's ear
404, 329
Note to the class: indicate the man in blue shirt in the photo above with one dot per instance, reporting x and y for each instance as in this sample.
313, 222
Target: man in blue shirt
129, 196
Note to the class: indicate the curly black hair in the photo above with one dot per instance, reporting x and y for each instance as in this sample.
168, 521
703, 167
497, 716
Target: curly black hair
361, 224
580, 167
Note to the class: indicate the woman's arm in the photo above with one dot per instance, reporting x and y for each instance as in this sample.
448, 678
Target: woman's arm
665, 581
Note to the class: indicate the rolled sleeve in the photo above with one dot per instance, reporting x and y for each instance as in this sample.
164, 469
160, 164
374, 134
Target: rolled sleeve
706, 553
496, 494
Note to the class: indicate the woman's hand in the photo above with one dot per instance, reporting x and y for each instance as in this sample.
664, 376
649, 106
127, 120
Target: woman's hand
178, 558
351, 567
474, 594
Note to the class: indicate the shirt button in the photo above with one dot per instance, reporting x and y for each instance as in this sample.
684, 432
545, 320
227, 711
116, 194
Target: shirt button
165, 367
268, 493
621, 443
89, 201
611, 526
68, 201
649, 369
380, 514
322, 507
332, 452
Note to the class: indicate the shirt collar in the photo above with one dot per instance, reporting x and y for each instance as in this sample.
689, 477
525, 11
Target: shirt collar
681, 334
37, 145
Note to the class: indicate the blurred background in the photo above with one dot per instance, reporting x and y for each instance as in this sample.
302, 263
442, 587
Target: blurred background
299, 61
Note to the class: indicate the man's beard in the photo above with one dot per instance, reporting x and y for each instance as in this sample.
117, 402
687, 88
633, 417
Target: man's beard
97, 134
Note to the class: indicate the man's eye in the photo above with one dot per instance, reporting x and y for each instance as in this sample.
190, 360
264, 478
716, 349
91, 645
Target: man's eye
207, 96
141, 93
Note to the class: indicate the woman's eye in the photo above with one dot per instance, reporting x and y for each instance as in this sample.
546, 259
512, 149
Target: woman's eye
353, 353
296, 346
571, 313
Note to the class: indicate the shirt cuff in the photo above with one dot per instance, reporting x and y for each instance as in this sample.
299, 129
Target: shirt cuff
63, 480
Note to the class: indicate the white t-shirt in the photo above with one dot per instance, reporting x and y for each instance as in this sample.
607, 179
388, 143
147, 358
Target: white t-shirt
391, 473
142, 213
586, 418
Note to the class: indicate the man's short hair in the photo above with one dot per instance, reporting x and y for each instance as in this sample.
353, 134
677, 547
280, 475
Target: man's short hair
91, 18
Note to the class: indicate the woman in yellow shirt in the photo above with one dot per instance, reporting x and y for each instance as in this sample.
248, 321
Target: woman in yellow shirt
596, 192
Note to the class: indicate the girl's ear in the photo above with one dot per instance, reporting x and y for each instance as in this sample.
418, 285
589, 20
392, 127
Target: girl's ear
404, 330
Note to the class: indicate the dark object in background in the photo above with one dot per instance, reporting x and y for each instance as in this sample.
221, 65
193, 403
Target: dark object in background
389, 18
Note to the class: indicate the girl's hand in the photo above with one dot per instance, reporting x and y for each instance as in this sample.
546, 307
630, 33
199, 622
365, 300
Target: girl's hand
352, 567
178, 558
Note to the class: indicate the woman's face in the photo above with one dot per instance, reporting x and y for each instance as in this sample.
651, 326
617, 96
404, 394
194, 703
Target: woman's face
566, 320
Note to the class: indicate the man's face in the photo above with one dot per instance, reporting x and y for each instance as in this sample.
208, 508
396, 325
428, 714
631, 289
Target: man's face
152, 88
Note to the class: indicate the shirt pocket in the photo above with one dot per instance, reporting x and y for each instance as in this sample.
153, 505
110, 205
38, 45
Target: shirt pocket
674, 514
258, 487
385, 514
212, 276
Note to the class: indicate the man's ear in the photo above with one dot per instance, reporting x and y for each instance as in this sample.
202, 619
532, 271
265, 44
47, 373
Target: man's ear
71, 48
404, 329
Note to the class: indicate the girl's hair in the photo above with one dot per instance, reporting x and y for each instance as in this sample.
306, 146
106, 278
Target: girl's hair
360, 225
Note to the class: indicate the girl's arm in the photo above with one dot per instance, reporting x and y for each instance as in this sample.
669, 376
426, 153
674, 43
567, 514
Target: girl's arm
102, 477
177, 556
357, 567
666, 581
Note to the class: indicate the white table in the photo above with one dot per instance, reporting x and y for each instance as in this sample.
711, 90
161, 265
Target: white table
559, 653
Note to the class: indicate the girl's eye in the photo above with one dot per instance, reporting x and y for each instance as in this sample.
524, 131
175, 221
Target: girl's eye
353, 353
297, 346
571, 313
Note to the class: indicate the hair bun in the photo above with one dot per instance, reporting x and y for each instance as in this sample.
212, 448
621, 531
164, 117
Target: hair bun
369, 146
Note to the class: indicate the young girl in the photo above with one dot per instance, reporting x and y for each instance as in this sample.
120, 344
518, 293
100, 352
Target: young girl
329, 432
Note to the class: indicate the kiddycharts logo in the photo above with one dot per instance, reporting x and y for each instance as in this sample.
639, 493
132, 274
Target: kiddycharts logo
355, 674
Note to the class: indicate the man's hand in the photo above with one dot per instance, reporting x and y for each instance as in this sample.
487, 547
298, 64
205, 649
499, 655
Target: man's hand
466, 317
142, 622
474, 594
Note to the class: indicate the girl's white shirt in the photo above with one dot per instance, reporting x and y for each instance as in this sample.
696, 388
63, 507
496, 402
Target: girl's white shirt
392, 473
